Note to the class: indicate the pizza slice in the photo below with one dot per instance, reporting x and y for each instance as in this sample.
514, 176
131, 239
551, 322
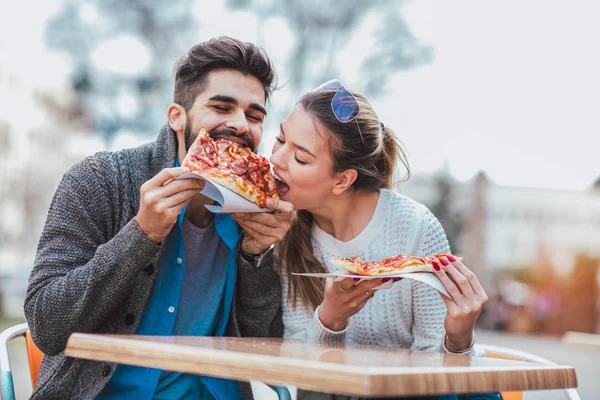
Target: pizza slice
233, 166
398, 264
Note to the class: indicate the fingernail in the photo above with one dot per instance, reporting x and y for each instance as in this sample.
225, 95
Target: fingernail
385, 279
443, 261
398, 279
269, 202
452, 259
435, 266
186, 169
356, 279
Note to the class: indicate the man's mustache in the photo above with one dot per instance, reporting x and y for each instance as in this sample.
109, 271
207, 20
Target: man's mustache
224, 133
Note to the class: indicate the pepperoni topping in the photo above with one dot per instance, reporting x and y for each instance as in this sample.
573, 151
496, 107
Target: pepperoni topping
209, 150
239, 166
252, 173
206, 164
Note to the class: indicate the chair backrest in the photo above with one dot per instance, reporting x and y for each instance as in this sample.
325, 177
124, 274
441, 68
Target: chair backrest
34, 355
517, 355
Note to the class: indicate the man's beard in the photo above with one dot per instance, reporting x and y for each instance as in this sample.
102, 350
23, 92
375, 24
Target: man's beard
217, 133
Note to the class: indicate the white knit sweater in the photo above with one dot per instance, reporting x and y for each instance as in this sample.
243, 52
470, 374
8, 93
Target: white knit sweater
409, 315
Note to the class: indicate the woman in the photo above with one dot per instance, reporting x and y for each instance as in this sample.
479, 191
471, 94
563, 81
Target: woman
334, 161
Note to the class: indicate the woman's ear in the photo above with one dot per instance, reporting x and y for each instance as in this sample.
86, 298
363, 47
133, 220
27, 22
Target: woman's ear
344, 180
176, 117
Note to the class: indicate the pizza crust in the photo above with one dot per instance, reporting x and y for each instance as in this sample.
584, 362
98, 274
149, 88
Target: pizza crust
355, 268
415, 268
234, 185
348, 265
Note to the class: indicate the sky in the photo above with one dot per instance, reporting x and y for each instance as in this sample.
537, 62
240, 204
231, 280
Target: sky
514, 89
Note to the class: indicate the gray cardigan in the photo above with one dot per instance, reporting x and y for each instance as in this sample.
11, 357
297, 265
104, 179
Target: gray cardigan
95, 269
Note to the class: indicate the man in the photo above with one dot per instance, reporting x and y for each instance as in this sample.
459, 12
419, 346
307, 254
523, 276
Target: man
126, 249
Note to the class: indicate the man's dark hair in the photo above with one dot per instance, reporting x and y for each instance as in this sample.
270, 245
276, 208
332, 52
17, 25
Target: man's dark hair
221, 53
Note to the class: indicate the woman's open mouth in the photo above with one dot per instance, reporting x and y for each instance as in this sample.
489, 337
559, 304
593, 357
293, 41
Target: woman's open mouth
282, 187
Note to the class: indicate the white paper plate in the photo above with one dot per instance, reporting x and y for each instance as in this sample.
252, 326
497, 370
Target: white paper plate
425, 277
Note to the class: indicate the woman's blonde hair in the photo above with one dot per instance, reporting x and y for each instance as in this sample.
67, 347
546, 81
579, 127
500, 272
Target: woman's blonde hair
363, 144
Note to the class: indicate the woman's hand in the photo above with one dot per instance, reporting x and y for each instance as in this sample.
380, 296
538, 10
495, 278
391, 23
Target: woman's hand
345, 298
261, 230
468, 299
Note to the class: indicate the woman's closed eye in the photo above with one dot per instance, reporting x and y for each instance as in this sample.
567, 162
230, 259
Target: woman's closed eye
281, 141
300, 161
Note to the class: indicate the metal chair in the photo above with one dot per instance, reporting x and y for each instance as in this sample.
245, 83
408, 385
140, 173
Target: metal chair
511, 354
34, 356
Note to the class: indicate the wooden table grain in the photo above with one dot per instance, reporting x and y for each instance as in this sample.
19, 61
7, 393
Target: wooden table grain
341, 369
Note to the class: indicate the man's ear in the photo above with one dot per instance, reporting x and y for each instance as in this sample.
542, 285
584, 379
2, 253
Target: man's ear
344, 180
176, 117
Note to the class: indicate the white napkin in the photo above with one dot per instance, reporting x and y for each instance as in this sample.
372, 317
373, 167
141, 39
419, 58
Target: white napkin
227, 201
425, 277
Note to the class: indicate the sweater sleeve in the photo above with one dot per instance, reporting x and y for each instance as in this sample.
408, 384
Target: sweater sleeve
81, 275
258, 299
301, 322
429, 310
317, 332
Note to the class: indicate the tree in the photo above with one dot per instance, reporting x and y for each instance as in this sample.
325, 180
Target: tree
451, 220
166, 31
116, 99
322, 28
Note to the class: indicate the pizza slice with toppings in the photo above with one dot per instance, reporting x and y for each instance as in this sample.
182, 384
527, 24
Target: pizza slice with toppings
233, 166
398, 264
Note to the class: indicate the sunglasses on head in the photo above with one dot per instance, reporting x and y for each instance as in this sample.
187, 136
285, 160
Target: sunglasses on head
344, 105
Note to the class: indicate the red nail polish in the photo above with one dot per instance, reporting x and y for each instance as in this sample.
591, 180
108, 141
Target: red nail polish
398, 279
435, 266
443, 261
385, 279
452, 259
356, 279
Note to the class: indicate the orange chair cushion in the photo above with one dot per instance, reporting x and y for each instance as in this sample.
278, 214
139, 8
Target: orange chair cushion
34, 355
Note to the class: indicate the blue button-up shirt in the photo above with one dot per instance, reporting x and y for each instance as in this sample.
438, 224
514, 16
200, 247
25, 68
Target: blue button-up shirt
160, 316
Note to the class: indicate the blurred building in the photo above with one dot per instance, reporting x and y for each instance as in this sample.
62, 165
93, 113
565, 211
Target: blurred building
507, 228
549, 237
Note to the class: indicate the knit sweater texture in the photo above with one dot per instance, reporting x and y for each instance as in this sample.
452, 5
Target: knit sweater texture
95, 269
410, 314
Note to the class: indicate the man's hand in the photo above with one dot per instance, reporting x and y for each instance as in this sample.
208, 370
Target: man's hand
261, 230
161, 200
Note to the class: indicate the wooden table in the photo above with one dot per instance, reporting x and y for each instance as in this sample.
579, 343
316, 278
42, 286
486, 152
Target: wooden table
343, 369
